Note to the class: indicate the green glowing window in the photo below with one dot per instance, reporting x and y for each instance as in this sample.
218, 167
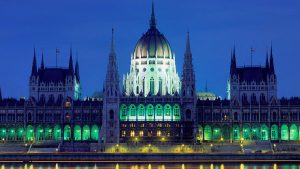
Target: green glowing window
264, 132
11, 134
255, 133
132, 110
207, 133
95, 132
159, 110
246, 132
39, 133
86, 133
150, 110
274, 132
20, 133
216, 133
77, 132
57, 132
3, 133
167, 110
236, 132
141, 110
294, 132
48, 133
67, 132
176, 110
29, 133
284, 132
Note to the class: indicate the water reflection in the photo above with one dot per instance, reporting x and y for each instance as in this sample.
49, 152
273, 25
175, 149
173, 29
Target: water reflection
150, 166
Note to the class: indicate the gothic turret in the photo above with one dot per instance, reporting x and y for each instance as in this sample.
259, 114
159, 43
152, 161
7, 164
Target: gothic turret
188, 75
77, 70
267, 61
233, 62
34, 67
112, 76
110, 116
272, 69
42, 62
71, 68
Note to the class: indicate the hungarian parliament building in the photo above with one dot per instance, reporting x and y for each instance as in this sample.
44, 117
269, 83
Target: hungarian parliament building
150, 103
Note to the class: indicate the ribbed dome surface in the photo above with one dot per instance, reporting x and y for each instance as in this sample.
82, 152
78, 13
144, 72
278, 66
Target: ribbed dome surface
153, 44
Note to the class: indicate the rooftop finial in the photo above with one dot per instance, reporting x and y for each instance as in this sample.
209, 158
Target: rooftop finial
188, 45
112, 47
152, 20
42, 62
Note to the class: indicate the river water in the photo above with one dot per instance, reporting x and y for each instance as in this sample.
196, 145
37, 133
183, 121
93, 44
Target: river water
259, 165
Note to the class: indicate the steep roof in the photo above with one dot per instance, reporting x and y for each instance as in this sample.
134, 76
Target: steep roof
256, 74
54, 75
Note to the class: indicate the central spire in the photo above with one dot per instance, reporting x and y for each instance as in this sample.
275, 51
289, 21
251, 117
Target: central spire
152, 20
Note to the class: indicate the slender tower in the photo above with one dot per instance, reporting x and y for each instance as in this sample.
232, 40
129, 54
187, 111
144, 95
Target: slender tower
34, 79
188, 93
110, 116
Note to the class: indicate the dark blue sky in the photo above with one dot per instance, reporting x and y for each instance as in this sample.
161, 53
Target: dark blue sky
86, 26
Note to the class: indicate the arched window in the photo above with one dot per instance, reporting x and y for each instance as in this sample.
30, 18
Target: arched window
132, 110
95, 132
141, 110
262, 98
244, 98
235, 116
144, 85
111, 115
176, 112
150, 112
253, 98
152, 85
137, 90
188, 114
123, 113
158, 112
77, 133
160, 86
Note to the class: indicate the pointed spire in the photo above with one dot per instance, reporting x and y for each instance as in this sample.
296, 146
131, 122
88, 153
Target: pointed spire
233, 61
112, 76
267, 60
71, 68
42, 62
188, 45
234, 57
77, 68
112, 46
34, 67
272, 69
206, 88
152, 20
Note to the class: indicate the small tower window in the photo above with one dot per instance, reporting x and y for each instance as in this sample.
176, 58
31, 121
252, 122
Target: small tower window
152, 85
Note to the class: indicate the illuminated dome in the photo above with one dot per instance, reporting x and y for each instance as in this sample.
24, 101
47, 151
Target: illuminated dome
152, 68
152, 44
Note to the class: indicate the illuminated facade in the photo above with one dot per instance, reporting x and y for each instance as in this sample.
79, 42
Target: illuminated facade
154, 104
54, 84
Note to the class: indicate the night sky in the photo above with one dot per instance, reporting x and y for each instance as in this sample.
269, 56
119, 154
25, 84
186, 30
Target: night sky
215, 26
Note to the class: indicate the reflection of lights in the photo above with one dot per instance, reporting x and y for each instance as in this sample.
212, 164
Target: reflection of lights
242, 166
182, 166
